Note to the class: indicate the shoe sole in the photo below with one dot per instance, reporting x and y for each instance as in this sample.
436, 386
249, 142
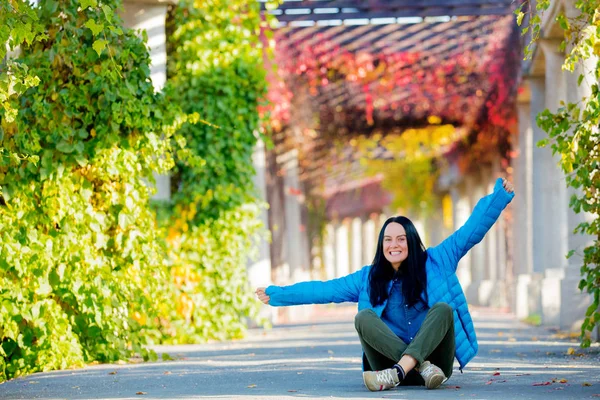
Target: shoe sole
435, 381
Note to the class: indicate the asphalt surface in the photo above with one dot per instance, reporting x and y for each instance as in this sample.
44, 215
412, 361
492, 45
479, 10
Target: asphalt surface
322, 360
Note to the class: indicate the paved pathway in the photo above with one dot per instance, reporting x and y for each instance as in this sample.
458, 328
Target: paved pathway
322, 360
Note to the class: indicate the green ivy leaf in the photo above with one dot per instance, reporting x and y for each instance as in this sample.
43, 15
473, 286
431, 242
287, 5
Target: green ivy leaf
65, 147
99, 45
88, 3
94, 27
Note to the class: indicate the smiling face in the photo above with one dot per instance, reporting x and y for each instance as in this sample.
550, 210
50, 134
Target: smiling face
395, 246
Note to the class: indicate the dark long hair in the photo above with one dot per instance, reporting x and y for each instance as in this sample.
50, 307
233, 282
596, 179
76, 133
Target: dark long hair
414, 275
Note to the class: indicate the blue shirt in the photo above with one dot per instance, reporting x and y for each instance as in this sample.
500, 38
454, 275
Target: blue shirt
403, 320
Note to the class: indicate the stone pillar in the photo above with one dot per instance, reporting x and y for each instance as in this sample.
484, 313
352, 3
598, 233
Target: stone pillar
259, 270
553, 228
575, 303
369, 241
479, 292
329, 251
342, 259
150, 16
539, 162
295, 236
523, 205
462, 210
356, 240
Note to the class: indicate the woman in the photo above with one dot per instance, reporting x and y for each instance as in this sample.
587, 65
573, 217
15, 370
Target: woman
413, 317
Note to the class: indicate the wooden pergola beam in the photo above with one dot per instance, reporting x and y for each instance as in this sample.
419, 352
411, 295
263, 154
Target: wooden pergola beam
320, 10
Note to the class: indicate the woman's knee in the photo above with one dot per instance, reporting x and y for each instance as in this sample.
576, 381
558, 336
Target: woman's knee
362, 317
443, 308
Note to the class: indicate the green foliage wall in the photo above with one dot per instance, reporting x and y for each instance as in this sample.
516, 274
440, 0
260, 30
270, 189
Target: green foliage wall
80, 262
87, 271
215, 69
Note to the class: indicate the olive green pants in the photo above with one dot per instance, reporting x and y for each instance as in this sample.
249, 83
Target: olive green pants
434, 342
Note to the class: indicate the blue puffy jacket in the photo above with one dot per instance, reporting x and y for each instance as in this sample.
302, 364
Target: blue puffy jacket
442, 282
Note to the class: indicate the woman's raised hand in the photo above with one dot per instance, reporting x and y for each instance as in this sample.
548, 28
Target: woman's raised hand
507, 186
262, 296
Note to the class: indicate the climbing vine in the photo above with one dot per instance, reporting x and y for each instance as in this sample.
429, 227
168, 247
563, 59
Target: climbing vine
573, 133
82, 273
216, 70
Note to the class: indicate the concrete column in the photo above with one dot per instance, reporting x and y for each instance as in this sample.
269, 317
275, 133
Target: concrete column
356, 240
151, 16
522, 235
553, 228
478, 258
259, 270
296, 254
479, 292
554, 202
462, 210
329, 251
539, 161
342, 259
575, 94
522, 203
369, 241
574, 302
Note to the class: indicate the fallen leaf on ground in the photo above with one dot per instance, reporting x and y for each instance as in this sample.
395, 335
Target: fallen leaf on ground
542, 384
33, 382
112, 373
571, 351
502, 381
167, 373
452, 387
496, 373
495, 351
252, 386
563, 381
586, 384
489, 382
141, 393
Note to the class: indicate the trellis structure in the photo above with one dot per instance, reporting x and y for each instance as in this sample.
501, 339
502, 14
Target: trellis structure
351, 68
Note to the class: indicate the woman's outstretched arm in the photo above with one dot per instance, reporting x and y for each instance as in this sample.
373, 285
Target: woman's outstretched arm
483, 217
339, 290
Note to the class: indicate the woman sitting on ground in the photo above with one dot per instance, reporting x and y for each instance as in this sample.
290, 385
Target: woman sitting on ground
413, 317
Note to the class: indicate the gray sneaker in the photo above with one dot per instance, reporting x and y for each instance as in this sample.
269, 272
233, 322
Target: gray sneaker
381, 380
432, 375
